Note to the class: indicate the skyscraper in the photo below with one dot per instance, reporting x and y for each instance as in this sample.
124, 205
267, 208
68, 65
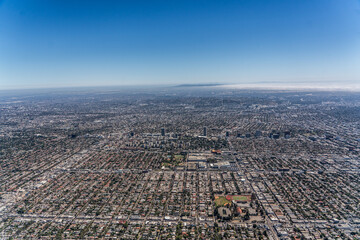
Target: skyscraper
205, 132
163, 132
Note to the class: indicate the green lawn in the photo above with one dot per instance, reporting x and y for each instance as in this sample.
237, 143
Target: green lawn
179, 157
221, 200
241, 198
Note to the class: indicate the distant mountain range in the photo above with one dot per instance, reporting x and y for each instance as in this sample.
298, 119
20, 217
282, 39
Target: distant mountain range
200, 85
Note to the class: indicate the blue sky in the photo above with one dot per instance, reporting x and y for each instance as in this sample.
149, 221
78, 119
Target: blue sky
57, 43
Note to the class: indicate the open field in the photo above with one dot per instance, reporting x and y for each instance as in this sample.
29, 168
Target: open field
221, 201
242, 198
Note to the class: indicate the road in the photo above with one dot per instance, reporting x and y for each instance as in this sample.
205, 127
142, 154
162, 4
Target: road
267, 220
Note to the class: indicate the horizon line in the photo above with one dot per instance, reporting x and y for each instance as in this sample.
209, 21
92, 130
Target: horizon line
259, 86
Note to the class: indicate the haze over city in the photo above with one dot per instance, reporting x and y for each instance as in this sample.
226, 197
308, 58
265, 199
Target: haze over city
179, 120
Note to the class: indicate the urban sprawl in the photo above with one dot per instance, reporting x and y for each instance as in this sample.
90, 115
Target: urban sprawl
179, 163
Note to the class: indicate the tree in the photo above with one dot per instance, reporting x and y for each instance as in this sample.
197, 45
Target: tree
247, 216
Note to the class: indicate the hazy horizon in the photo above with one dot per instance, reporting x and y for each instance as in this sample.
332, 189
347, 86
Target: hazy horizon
70, 44
281, 86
